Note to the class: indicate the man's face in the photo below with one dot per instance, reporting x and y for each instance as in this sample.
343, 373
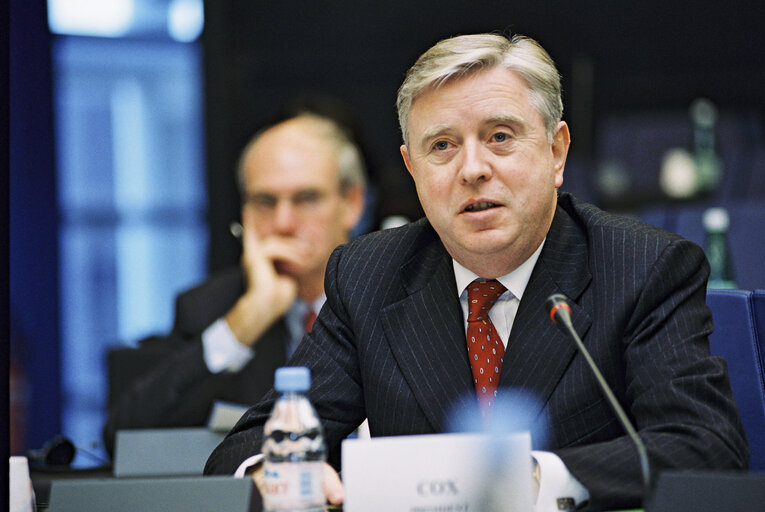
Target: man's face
485, 172
293, 193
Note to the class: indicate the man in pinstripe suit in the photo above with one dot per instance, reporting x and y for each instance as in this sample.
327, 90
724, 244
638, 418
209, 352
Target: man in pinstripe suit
484, 142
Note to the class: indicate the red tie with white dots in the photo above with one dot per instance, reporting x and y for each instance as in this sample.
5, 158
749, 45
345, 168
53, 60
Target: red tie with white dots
485, 349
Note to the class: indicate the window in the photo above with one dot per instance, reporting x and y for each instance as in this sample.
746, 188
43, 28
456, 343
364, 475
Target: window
130, 170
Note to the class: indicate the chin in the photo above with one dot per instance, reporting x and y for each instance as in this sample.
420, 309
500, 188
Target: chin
472, 248
488, 241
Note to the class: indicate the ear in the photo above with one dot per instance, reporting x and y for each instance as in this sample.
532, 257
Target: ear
354, 198
560, 145
407, 161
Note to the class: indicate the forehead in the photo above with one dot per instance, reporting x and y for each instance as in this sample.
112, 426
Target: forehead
289, 157
482, 95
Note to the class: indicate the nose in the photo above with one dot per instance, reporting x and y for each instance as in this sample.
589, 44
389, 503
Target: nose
285, 217
475, 166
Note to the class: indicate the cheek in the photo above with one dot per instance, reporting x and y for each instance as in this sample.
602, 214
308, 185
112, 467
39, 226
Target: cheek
433, 188
263, 228
324, 225
533, 178
432, 204
313, 228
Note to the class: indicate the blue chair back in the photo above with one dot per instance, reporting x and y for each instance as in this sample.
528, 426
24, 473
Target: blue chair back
758, 300
736, 339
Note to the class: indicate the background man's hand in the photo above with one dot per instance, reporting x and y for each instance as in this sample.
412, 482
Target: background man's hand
270, 289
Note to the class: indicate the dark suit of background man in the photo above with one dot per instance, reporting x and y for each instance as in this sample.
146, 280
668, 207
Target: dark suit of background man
302, 183
486, 147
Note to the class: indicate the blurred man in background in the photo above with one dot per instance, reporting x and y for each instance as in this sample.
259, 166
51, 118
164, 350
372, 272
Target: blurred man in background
302, 183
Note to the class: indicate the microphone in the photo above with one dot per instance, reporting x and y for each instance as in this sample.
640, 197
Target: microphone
57, 452
560, 313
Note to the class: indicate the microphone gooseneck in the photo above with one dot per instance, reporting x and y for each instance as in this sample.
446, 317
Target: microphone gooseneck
560, 314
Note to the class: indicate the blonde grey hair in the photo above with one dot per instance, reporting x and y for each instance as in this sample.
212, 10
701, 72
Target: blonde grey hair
351, 170
459, 56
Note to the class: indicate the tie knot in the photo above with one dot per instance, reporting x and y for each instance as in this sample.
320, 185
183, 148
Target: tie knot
482, 295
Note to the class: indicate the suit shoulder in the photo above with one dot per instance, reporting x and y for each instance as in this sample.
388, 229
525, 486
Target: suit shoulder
616, 241
380, 255
595, 221
395, 243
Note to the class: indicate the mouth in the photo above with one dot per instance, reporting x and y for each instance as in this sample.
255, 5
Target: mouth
479, 206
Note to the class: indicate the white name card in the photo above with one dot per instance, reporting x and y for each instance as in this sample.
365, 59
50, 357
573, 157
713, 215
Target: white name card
438, 473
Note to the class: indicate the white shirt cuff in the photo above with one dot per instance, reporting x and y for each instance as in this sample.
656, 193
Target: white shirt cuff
241, 471
221, 349
556, 483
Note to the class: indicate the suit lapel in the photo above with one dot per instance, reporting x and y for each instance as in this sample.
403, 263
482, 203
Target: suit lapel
537, 352
426, 334
426, 331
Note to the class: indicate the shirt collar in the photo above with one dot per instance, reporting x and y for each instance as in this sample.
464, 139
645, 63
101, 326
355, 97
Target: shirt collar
515, 281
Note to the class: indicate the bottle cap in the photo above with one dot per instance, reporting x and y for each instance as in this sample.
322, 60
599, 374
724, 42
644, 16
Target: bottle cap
292, 378
716, 220
703, 112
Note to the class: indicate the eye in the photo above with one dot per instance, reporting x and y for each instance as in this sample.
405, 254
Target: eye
261, 200
500, 137
306, 197
441, 145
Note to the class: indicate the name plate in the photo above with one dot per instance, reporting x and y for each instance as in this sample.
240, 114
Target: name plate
157, 452
169, 494
438, 473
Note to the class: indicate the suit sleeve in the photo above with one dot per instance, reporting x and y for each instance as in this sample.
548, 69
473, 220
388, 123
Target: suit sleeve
675, 391
179, 390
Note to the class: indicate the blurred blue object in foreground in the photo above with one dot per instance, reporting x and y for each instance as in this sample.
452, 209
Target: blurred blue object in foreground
513, 411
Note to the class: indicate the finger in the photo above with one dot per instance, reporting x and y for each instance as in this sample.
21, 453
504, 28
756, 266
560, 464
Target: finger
257, 254
258, 478
333, 487
249, 235
251, 246
295, 253
285, 247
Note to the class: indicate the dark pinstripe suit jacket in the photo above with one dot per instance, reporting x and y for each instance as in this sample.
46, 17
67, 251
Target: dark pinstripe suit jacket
390, 345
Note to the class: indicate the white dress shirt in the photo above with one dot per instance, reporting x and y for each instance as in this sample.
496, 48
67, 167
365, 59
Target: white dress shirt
222, 351
555, 479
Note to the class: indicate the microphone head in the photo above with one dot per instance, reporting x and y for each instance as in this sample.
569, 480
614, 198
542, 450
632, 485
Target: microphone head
58, 451
557, 304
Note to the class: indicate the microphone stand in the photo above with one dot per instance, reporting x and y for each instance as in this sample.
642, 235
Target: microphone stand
560, 313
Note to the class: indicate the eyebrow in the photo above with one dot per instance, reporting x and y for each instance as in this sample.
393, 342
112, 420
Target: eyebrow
431, 133
438, 129
505, 119
305, 190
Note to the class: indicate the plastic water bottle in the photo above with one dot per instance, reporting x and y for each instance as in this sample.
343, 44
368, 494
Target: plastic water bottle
293, 448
